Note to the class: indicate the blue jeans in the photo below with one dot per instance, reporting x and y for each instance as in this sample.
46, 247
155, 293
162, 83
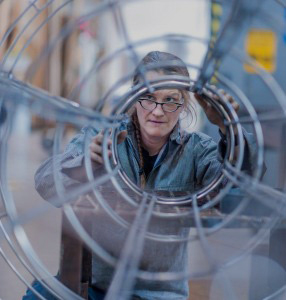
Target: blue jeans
92, 293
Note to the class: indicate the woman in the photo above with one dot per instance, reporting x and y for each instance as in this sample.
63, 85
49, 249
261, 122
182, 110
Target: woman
156, 154
158, 143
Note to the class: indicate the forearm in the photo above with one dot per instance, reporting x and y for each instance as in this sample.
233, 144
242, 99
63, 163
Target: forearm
248, 146
79, 173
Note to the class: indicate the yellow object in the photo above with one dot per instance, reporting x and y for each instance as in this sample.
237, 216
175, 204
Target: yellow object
215, 25
217, 9
261, 45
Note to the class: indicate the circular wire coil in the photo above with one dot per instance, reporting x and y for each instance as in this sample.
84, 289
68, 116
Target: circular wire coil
142, 215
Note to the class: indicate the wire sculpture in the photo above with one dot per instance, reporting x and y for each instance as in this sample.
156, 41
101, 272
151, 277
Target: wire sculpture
149, 210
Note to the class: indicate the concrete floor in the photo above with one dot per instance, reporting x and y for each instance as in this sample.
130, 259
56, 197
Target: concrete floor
25, 155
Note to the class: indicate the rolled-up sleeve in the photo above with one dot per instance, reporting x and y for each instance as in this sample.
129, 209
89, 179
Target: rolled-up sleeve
207, 162
249, 155
210, 156
58, 166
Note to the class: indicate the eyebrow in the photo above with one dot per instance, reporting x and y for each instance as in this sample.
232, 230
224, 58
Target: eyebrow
174, 94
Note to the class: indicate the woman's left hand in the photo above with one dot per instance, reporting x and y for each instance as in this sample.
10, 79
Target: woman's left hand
212, 114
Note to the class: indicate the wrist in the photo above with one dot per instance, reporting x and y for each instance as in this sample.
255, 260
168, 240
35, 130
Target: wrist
224, 139
222, 129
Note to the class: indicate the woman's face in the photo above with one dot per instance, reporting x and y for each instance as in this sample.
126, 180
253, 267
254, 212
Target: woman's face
158, 123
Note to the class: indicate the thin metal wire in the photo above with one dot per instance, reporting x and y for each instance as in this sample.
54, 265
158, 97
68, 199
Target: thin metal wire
125, 274
258, 131
267, 78
169, 200
277, 295
34, 5
259, 191
14, 269
72, 25
17, 254
35, 32
19, 35
19, 257
103, 204
269, 116
117, 13
256, 190
259, 164
252, 114
15, 22
68, 29
9, 204
70, 196
59, 108
207, 250
98, 63
52, 283
229, 33
31, 254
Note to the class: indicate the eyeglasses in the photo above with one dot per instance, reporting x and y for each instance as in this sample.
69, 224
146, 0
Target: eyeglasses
150, 105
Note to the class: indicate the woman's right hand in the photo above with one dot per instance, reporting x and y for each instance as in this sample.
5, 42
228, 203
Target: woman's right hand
96, 146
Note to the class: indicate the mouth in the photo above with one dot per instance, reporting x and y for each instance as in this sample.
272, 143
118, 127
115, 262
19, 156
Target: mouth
156, 122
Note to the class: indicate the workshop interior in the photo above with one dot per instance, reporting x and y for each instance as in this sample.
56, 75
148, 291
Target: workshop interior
67, 65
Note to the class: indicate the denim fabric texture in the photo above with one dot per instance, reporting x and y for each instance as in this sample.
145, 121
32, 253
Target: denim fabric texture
186, 163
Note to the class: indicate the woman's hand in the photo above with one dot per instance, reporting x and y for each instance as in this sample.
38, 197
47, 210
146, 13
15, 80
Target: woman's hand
96, 146
212, 114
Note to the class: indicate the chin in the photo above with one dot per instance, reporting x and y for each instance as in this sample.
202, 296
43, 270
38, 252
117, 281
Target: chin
156, 133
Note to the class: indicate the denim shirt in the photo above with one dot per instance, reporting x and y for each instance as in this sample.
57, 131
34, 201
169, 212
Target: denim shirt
187, 162
197, 153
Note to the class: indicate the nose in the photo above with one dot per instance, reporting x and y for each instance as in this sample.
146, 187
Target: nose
158, 111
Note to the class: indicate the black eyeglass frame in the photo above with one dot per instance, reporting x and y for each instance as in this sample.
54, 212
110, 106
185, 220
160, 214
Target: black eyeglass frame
160, 103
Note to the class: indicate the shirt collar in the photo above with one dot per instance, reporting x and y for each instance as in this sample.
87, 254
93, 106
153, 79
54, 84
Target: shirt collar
177, 135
